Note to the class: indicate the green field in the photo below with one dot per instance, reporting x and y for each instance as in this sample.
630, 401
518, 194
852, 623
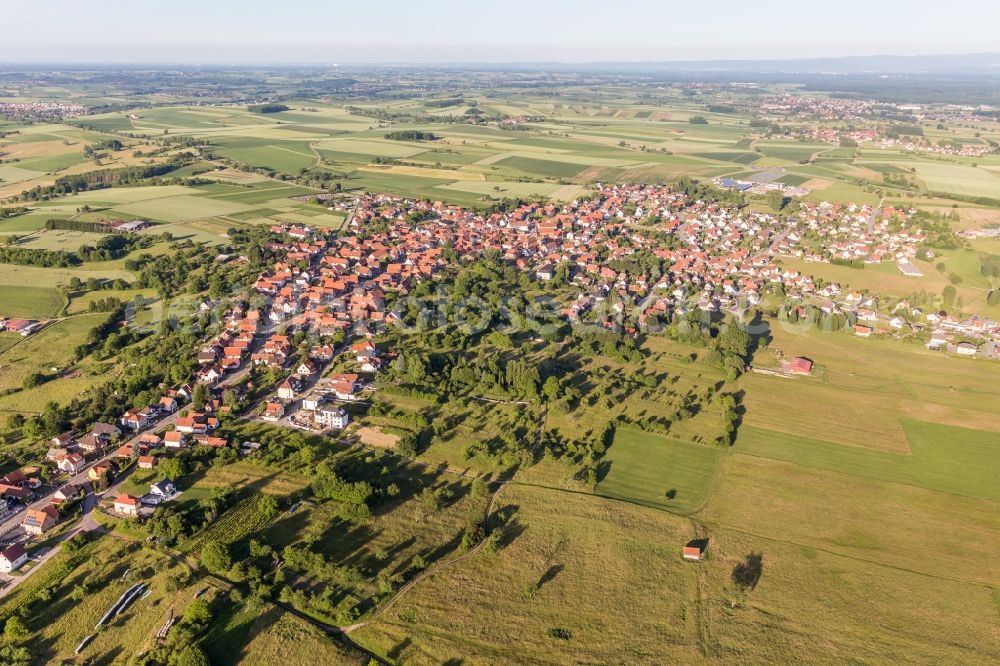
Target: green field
563, 546
959, 179
541, 167
868, 489
29, 302
945, 458
655, 470
59, 239
48, 351
180, 208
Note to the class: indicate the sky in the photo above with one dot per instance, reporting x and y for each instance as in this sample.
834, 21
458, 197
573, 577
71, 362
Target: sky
438, 31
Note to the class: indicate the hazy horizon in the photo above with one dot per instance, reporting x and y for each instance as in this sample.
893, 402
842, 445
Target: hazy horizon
435, 32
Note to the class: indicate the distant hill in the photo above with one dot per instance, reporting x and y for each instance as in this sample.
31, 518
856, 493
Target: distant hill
974, 63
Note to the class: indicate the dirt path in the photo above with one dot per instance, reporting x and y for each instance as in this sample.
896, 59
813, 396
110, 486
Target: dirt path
319, 158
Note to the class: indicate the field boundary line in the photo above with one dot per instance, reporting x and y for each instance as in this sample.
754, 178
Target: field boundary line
722, 526
870, 478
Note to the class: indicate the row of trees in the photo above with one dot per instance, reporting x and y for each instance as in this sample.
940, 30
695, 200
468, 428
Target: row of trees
267, 108
104, 178
114, 246
411, 135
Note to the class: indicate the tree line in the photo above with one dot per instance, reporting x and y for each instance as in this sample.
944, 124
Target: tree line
412, 135
267, 108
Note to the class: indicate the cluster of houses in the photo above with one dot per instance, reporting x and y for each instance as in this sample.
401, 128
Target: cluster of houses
919, 145
70, 456
71, 452
965, 336
795, 106
136, 419
41, 109
133, 507
836, 135
725, 259
821, 232
229, 351
319, 407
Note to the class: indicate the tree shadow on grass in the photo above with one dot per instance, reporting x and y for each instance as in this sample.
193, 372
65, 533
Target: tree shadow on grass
398, 649
549, 575
747, 573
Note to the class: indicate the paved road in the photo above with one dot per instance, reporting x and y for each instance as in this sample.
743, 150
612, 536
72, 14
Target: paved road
14, 520
86, 524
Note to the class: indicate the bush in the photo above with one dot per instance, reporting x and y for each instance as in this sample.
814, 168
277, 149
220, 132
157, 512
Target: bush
216, 558
32, 380
198, 613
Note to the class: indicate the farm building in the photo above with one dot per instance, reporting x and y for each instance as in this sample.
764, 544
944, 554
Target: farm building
797, 366
694, 550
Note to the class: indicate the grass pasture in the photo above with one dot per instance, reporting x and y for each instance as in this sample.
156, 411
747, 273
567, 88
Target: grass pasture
551, 572
813, 605
29, 302
959, 179
59, 239
52, 347
655, 470
871, 425
910, 527
946, 458
262, 636
61, 623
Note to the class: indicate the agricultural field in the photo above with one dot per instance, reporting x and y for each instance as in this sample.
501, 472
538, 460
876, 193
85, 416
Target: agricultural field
30, 302
549, 574
652, 469
570, 144
52, 347
861, 499
959, 179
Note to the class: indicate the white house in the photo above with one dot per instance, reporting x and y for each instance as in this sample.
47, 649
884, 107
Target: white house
127, 505
173, 439
164, 488
12, 558
71, 463
332, 416
966, 349
286, 391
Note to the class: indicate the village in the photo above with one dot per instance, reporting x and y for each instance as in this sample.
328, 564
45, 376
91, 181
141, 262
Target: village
335, 287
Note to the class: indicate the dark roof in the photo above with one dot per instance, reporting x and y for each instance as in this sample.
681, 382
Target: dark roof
12, 553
